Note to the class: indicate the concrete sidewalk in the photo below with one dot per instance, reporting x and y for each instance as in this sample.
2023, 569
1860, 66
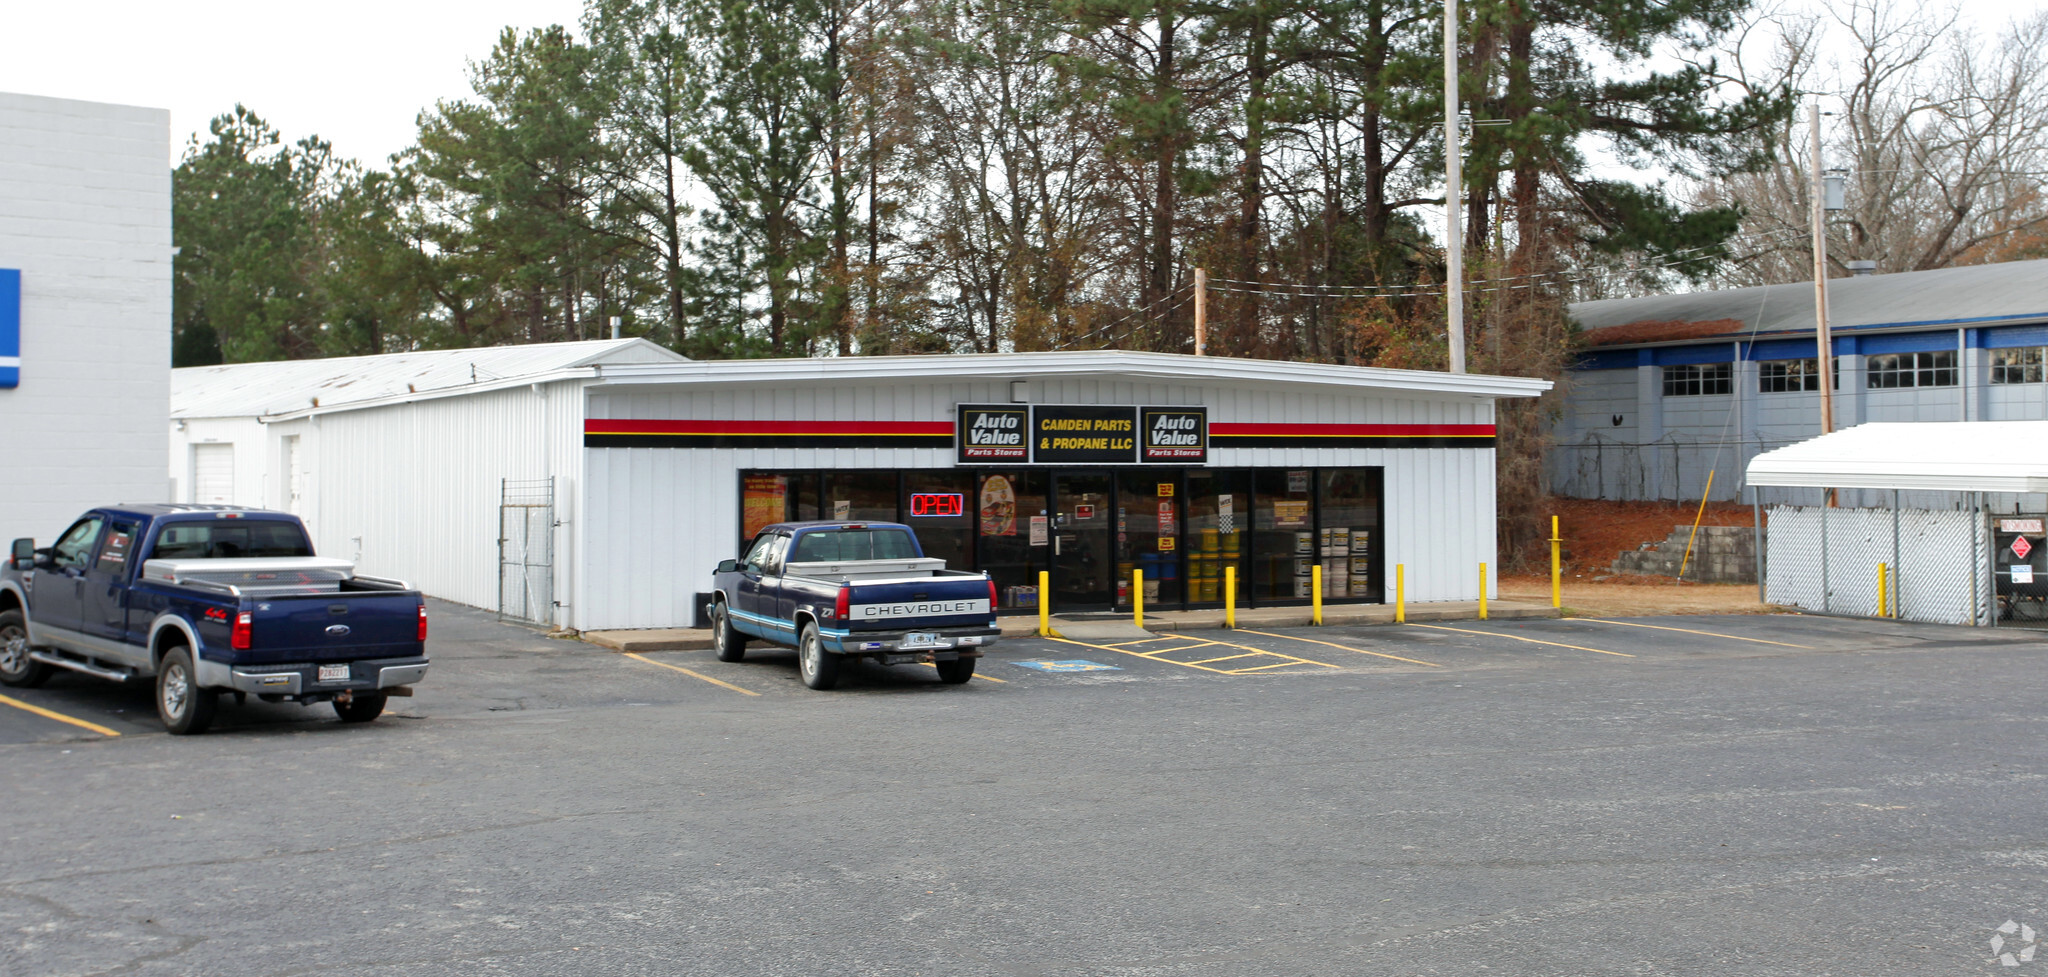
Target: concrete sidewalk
1098, 625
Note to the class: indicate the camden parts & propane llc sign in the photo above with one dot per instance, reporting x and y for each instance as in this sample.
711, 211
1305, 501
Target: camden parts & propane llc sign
1080, 434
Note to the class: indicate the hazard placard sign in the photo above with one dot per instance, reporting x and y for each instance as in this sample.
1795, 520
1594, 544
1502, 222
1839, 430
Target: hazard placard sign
2020, 547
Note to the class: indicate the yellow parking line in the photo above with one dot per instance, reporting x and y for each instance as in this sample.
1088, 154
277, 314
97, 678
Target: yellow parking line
1710, 634
1261, 668
1136, 654
695, 675
1277, 654
1362, 651
1143, 641
985, 678
1211, 661
1517, 637
58, 716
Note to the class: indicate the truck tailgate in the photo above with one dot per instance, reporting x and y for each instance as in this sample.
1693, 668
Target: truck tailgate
335, 627
932, 602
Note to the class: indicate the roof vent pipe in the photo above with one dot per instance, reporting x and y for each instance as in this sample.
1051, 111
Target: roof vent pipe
615, 327
1862, 269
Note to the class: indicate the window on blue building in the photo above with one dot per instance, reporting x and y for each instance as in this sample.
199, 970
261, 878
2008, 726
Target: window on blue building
2016, 365
1936, 369
1695, 380
1791, 376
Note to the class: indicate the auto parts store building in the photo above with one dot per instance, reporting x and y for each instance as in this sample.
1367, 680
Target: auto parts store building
617, 473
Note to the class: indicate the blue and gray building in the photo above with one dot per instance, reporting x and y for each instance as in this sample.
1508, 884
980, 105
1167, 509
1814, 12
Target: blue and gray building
1671, 387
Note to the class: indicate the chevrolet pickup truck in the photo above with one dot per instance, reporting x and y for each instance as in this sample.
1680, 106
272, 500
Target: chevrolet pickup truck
840, 590
208, 600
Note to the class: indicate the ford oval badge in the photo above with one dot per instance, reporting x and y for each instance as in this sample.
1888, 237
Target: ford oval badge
337, 629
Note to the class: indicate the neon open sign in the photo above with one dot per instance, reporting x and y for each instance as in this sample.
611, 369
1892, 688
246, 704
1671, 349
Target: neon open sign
938, 504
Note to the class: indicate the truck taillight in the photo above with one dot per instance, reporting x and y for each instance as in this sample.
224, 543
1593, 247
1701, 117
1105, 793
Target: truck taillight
992, 602
843, 607
423, 622
239, 636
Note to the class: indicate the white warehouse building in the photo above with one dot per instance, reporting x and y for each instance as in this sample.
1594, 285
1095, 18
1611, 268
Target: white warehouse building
594, 485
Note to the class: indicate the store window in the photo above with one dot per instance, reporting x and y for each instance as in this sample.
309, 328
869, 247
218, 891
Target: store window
1148, 533
1936, 369
2016, 365
1793, 376
939, 507
1284, 536
1695, 380
1348, 532
859, 495
1218, 522
1014, 530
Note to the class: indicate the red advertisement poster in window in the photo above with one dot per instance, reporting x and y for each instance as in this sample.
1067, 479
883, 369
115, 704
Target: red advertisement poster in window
764, 500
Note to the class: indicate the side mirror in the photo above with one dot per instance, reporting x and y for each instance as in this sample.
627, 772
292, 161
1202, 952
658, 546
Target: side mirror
23, 553
728, 566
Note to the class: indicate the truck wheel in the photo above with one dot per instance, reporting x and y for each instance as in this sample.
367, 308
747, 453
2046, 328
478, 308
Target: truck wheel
957, 671
726, 639
361, 708
184, 707
16, 667
820, 668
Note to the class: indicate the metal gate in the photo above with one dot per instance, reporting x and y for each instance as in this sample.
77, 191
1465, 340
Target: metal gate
526, 550
1828, 559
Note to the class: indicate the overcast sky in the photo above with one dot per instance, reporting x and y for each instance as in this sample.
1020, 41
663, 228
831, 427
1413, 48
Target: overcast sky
356, 74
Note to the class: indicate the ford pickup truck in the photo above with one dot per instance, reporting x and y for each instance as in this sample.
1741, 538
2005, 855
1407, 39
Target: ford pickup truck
208, 600
841, 590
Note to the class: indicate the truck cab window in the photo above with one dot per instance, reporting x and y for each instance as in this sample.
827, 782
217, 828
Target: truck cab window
757, 556
847, 545
114, 552
71, 549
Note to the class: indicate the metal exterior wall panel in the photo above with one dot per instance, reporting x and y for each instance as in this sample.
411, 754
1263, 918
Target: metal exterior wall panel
655, 520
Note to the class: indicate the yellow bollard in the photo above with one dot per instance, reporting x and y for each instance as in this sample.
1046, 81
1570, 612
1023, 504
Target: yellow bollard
1044, 604
1138, 598
1400, 593
1315, 595
1482, 591
1883, 602
1230, 597
1556, 573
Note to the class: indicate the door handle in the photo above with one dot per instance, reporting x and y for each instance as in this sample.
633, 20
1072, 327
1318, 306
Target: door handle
1055, 544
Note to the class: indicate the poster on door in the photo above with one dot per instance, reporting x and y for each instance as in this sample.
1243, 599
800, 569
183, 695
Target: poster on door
998, 507
1039, 532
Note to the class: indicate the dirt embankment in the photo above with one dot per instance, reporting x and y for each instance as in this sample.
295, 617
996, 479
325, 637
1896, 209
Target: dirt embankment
1594, 532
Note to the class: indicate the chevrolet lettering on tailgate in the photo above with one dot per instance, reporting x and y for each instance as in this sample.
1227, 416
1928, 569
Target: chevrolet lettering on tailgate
839, 590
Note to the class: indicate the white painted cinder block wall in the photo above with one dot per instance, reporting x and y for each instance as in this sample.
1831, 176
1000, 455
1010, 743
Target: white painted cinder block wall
85, 214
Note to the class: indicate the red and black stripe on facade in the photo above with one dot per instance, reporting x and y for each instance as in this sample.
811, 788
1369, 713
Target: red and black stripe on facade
1350, 435
611, 433
615, 433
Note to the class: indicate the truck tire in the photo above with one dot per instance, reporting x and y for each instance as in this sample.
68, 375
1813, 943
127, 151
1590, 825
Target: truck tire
16, 667
957, 671
361, 708
184, 707
726, 639
820, 668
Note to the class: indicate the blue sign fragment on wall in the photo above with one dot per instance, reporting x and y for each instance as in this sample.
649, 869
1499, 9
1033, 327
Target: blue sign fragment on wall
10, 327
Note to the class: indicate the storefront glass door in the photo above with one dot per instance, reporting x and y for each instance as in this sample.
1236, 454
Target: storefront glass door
1083, 526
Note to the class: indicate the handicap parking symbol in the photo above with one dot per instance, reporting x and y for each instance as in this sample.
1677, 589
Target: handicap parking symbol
1075, 665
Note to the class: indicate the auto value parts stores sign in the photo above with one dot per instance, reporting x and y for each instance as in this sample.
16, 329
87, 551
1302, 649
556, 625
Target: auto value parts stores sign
1080, 434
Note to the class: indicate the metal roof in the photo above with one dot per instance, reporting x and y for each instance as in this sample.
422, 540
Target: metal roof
1118, 364
1970, 295
295, 387
1955, 456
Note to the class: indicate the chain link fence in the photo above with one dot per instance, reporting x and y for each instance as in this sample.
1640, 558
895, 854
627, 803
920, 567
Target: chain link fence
526, 550
1827, 560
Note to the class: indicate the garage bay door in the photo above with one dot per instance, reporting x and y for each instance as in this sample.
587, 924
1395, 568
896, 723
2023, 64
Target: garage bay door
213, 473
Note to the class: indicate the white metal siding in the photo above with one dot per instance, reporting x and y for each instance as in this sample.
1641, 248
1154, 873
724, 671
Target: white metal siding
657, 519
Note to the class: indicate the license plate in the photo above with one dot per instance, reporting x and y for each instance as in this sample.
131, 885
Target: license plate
922, 639
334, 673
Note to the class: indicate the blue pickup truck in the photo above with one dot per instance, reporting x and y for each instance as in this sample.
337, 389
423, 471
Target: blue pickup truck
840, 590
208, 600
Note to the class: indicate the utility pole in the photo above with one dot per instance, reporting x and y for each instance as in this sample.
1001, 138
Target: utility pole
1822, 337
1454, 183
1201, 312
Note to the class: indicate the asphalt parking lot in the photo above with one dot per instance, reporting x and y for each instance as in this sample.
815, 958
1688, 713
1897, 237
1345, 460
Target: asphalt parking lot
1733, 795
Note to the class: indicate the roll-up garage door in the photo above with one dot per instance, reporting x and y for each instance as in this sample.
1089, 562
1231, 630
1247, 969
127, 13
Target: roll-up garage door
213, 473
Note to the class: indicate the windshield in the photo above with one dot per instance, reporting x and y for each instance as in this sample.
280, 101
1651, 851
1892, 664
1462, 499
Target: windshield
230, 539
848, 545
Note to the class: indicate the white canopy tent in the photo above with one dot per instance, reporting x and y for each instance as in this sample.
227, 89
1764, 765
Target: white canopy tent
1952, 456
